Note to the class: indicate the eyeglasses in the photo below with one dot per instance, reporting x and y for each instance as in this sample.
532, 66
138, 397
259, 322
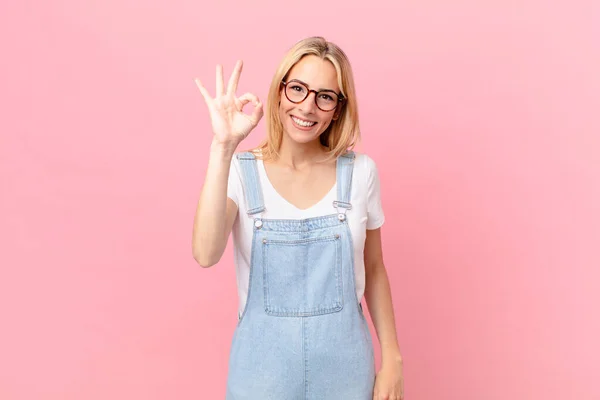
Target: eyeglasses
297, 91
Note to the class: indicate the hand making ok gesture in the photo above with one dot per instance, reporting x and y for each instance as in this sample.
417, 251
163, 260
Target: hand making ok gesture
230, 124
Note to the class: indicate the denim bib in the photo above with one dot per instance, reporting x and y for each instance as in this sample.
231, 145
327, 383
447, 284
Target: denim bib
302, 334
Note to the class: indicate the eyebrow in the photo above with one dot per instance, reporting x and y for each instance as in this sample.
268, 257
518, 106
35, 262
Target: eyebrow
318, 90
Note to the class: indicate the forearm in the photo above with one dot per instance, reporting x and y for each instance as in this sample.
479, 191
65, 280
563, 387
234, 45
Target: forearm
209, 232
379, 301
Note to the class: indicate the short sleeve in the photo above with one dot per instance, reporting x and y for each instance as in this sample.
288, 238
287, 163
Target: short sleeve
234, 183
375, 215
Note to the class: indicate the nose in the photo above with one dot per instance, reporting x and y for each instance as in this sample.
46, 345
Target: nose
309, 104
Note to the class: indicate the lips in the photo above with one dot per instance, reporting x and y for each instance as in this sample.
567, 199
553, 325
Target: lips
302, 122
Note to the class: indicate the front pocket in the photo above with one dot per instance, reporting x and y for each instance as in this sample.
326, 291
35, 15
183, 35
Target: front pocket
302, 277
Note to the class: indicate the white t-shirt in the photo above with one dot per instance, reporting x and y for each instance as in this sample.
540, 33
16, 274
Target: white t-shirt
366, 213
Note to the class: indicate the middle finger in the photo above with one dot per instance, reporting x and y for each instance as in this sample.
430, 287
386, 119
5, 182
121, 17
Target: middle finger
235, 78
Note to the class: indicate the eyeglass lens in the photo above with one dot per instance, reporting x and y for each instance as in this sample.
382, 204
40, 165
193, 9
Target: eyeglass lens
297, 92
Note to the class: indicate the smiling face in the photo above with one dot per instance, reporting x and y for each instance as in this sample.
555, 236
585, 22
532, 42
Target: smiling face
304, 122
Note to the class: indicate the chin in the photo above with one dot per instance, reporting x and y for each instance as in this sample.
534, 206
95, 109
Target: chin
301, 137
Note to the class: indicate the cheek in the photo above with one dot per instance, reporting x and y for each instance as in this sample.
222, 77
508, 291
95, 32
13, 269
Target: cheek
327, 121
284, 107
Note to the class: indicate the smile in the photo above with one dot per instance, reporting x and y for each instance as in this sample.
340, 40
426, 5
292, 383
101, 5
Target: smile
302, 122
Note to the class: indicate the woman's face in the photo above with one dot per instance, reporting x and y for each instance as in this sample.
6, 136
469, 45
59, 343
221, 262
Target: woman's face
304, 122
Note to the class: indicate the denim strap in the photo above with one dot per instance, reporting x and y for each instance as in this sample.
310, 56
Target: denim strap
345, 164
252, 191
254, 195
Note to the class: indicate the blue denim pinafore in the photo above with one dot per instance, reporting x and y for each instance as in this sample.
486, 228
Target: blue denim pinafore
303, 334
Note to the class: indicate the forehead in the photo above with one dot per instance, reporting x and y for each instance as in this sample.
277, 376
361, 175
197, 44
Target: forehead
316, 72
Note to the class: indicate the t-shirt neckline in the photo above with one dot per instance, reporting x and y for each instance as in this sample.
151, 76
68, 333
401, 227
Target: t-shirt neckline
284, 200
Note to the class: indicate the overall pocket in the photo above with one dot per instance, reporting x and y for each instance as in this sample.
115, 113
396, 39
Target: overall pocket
302, 277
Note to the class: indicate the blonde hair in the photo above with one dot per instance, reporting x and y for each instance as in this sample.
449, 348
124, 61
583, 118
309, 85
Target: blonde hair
343, 133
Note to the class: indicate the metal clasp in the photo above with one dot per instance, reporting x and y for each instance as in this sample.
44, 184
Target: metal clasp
342, 207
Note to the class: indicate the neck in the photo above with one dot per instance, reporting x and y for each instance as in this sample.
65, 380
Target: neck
296, 155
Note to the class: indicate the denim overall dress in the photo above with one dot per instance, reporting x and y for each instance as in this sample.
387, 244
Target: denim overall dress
302, 334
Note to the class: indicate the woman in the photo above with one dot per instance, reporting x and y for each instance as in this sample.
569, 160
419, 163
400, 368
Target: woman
305, 213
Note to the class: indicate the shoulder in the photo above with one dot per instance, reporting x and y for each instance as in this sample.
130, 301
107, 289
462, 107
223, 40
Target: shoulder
365, 163
240, 161
245, 155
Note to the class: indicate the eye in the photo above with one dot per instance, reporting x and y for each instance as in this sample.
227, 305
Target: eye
326, 97
297, 88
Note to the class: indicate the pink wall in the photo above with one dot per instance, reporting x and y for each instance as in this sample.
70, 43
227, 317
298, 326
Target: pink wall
483, 118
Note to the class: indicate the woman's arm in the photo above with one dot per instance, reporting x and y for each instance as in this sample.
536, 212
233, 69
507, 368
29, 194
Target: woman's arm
389, 382
379, 299
215, 212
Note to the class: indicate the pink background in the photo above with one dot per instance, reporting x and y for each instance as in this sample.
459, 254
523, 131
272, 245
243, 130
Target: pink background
482, 117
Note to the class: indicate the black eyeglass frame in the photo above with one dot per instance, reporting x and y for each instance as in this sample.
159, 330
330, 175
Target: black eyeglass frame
340, 96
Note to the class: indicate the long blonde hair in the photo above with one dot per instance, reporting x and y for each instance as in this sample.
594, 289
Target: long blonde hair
343, 133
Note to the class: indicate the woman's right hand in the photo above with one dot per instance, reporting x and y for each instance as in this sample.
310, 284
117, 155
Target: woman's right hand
230, 124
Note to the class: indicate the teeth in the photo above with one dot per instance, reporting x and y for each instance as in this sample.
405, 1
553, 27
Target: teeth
303, 123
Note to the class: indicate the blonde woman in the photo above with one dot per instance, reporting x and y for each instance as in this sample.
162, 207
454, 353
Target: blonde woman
305, 213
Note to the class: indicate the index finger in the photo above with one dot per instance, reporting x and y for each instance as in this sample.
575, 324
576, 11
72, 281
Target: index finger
235, 78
